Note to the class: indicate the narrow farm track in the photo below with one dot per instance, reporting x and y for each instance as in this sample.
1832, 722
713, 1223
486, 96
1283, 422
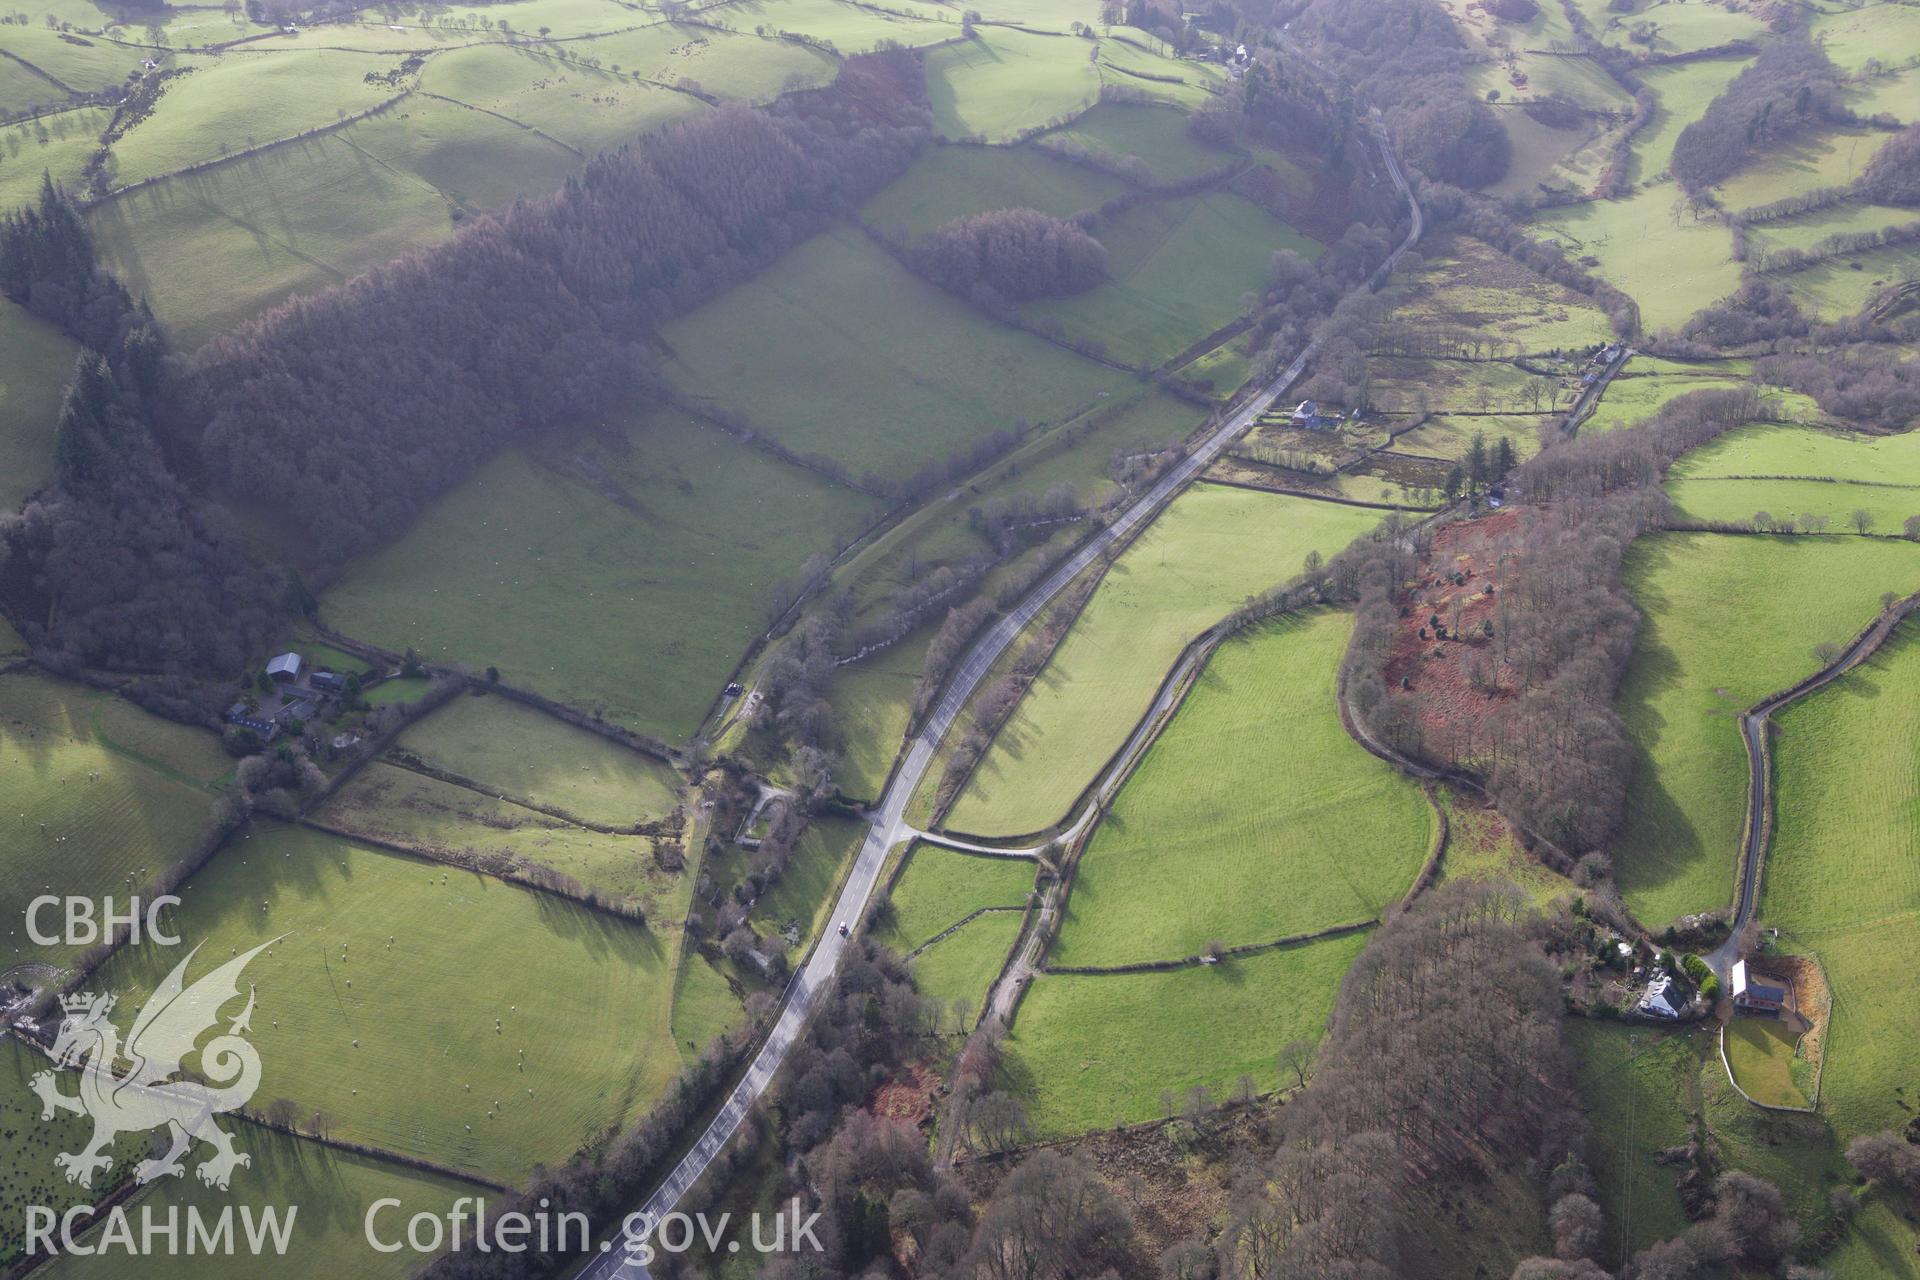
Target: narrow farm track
888, 825
1757, 838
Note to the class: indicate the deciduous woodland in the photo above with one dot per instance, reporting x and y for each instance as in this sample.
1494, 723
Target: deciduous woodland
1791, 87
1241, 640
350, 409
1015, 254
1542, 730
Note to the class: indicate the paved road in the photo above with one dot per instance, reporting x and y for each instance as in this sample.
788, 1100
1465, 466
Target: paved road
888, 825
1753, 732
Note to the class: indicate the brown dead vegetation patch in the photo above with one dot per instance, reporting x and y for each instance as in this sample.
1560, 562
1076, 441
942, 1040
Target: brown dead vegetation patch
1812, 1000
1172, 1181
1456, 673
908, 1097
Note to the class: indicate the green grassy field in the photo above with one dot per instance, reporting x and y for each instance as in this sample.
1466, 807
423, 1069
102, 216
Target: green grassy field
1761, 1052
1045, 15
838, 350
389, 803
941, 887
704, 1005
239, 101
1630, 400
1728, 620
1672, 262
1841, 287
961, 967
1770, 450
1642, 1087
1873, 32
288, 220
1233, 831
850, 28
82, 64
377, 1005
529, 567
587, 108
1224, 370
1006, 82
1897, 94
36, 361
513, 750
57, 145
1452, 437
1680, 27
1213, 548
799, 900
186, 755
333, 1191
475, 161
1079, 453
22, 89
1787, 470
1464, 283
1580, 81
871, 701
28, 1175
744, 67
1809, 229
952, 182
1736, 501
1843, 878
1156, 135
1683, 91
81, 815
396, 690
1133, 59
1545, 156
1482, 849
1880, 1244
1092, 1050
1403, 384
1178, 269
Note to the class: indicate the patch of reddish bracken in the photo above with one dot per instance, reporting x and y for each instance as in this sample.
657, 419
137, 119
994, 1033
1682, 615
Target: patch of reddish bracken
1452, 709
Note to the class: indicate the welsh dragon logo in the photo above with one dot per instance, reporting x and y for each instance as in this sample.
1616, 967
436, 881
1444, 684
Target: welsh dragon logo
150, 1094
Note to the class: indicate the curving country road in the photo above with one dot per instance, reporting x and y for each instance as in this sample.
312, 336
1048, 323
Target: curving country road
888, 825
1758, 835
